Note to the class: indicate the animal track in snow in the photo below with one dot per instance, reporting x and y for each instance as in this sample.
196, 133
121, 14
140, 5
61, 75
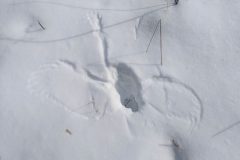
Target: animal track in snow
70, 88
80, 91
86, 93
174, 99
127, 84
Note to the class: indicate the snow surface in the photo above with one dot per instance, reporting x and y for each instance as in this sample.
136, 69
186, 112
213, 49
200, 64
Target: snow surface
119, 80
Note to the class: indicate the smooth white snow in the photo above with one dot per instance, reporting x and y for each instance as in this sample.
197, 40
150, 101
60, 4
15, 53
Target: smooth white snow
84, 80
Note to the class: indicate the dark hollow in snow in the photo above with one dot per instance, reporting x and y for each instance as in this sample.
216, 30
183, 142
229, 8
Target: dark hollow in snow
129, 88
131, 103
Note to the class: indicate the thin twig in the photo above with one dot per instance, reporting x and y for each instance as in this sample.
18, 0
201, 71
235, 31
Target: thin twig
87, 8
68, 131
41, 25
225, 129
81, 107
94, 105
161, 53
175, 144
152, 37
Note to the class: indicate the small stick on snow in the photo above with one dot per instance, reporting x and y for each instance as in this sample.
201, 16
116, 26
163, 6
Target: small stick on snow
68, 131
175, 144
152, 37
160, 22
41, 25
226, 129
94, 105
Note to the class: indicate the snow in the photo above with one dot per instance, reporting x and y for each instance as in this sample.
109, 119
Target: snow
129, 79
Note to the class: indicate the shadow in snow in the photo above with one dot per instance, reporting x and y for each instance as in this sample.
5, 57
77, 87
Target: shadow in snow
129, 88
